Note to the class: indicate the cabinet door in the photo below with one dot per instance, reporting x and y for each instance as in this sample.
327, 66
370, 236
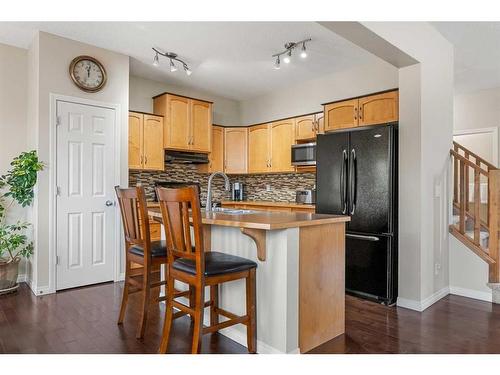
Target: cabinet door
135, 142
258, 149
379, 109
320, 122
217, 153
341, 115
201, 126
305, 128
282, 139
178, 123
153, 143
235, 150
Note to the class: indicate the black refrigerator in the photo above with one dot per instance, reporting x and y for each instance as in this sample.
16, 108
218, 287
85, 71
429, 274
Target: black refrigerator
356, 175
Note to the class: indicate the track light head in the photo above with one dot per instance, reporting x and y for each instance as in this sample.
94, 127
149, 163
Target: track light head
186, 69
287, 58
303, 52
173, 68
277, 63
156, 61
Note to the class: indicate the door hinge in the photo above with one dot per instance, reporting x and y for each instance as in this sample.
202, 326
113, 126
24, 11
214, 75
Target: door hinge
58, 120
58, 191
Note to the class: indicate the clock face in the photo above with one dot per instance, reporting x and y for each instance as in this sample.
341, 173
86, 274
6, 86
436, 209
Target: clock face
87, 73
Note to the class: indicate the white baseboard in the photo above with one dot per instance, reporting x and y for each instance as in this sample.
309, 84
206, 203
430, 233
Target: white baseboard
21, 278
422, 305
471, 293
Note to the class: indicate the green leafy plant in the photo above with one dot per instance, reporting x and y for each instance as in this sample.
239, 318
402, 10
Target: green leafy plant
17, 186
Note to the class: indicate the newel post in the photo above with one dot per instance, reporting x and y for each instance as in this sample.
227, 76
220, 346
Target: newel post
493, 221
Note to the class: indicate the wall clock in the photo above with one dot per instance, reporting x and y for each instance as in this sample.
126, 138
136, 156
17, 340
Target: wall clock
87, 73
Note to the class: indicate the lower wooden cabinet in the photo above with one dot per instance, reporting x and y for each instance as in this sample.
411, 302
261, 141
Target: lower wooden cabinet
145, 142
270, 206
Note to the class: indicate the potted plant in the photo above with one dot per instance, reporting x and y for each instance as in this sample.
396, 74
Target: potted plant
16, 186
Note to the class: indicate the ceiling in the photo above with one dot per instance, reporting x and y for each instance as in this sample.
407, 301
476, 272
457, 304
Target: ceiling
477, 53
230, 59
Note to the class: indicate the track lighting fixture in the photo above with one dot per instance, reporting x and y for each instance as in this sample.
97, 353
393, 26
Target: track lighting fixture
172, 57
289, 47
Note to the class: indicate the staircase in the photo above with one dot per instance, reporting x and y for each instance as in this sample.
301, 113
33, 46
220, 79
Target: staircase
476, 204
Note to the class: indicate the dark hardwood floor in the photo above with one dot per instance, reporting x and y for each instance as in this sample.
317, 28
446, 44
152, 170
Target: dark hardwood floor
84, 321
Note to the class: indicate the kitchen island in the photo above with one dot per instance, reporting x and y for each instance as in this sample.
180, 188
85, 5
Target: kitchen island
300, 275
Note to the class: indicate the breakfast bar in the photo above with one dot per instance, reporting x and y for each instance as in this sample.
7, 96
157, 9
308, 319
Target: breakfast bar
300, 274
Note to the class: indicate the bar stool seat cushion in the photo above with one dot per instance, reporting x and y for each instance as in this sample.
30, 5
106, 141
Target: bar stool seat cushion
215, 264
158, 249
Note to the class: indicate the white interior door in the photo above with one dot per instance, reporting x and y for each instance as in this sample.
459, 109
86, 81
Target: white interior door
85, 201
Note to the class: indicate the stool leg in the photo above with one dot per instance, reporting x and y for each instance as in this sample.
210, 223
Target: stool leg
198, 318
214, 297
191, 300
251, 312
146, 291
167, 324
123, 306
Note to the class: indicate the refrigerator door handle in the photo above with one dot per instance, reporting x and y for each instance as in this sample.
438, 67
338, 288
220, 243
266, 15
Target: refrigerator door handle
362, 237
343, 180
353, 182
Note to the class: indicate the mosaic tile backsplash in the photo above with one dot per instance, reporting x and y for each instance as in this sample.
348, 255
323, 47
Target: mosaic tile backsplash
282, 186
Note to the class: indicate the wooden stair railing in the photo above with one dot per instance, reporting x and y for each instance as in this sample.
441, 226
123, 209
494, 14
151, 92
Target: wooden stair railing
484, 216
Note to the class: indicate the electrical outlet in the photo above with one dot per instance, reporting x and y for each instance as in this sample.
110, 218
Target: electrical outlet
268, 187
437, 268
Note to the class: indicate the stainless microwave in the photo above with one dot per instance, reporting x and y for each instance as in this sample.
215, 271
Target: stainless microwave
304, 154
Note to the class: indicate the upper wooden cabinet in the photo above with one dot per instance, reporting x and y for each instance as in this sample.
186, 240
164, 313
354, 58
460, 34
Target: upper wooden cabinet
307, 127
369, 110
378, 109
282, 139
258, 149
145, 142
201, 115
216, 156
235, 150
269, 147
341, 115
187, 122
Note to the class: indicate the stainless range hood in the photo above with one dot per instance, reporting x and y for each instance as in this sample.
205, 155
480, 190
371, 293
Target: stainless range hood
185, 157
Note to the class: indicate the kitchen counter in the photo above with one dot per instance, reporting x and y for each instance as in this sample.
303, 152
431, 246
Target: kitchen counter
269, 204
300, 275
266, 220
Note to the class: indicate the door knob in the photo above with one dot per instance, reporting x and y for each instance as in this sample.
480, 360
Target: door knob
109, 203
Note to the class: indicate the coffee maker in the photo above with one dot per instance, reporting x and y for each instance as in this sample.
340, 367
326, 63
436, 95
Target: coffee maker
237, 191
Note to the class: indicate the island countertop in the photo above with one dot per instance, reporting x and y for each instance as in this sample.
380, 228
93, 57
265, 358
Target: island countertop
265, 220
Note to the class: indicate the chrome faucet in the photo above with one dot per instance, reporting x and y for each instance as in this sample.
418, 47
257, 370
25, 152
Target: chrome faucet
208, 206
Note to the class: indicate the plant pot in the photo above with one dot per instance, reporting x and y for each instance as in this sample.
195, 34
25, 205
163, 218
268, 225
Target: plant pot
8, 274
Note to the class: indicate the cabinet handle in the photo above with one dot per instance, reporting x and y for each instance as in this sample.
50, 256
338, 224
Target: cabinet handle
355, 113
145, 159
361, 113
141, 159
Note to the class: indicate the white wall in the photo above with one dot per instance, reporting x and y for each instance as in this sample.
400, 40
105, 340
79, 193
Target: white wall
13, 116
435, 105
307, 97
51, 56
468, 273
225, 111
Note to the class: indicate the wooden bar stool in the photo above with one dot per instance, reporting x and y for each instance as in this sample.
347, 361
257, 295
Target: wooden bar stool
197, 268
141, 250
